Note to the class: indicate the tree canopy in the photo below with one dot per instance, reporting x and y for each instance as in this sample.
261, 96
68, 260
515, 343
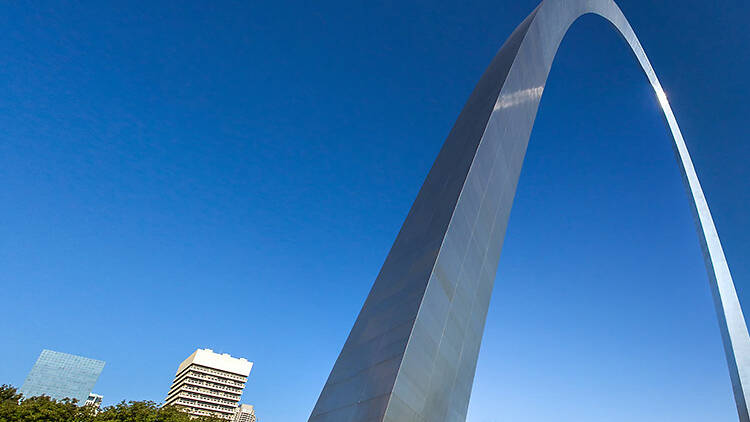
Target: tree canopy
15, 408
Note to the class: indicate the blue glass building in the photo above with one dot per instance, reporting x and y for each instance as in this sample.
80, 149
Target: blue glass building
61, 375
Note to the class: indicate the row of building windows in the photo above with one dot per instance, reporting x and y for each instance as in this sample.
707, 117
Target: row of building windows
205, 398
198, 375
195, 403
207, 373
211, 391
216, 379
211, 385
201, 412
220, 373
207, 384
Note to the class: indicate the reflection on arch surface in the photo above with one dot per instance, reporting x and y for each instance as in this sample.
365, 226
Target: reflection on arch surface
412, 353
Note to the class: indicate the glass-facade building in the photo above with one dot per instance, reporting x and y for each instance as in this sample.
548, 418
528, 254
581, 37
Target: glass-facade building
61, 375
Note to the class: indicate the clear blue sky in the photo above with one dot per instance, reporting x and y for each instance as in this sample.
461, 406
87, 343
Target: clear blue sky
232, 174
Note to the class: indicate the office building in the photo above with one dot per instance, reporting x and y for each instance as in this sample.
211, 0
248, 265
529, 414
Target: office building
209, 384
244, 413
94, 400
61, 375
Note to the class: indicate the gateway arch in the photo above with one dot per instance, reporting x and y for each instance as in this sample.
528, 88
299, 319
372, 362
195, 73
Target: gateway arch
412, 353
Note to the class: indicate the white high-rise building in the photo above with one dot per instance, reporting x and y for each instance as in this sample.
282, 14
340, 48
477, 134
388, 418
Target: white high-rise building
244, 413
209, 384
94, 400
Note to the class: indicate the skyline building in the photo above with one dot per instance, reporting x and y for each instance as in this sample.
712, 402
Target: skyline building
94, 400
209, 384
62, 375
244, 413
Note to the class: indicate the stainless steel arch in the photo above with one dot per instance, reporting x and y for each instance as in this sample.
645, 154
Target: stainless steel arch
412, 353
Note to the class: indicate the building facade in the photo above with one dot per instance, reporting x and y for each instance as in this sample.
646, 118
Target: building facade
209, 384
62, 375
244, 413
94, 400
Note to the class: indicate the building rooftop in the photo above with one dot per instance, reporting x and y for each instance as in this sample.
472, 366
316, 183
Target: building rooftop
223, 362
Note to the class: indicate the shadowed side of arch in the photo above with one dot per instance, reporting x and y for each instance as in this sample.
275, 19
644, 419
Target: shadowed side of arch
412, 353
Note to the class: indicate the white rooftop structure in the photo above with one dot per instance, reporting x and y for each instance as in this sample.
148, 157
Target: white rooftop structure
224, 362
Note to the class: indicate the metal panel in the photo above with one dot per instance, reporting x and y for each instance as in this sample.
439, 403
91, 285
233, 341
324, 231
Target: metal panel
412, 353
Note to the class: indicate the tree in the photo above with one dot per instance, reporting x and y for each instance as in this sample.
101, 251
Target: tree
146, 411
9, 393
13, 408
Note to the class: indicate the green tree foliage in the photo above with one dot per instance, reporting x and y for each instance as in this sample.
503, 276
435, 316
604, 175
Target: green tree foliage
45, 409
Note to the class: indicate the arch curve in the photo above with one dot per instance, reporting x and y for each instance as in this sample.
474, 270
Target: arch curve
412, 353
